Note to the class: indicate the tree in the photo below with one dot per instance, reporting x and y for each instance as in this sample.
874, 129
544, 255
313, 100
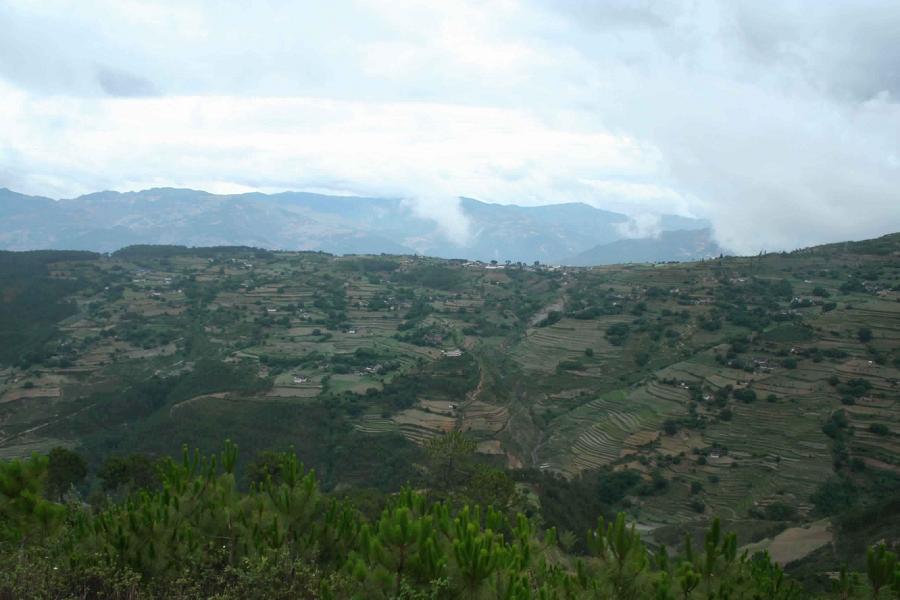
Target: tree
450, 458
879, 429
745, 395
200, 536
266, 465
490, 487
65, 469
24, 513
864, 334
129, 474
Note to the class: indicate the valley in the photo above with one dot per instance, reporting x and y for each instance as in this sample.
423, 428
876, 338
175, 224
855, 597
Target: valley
757, 389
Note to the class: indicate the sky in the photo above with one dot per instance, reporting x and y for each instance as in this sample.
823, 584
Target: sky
779, 122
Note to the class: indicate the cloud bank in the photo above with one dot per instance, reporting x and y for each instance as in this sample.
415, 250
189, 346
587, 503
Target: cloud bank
779, 124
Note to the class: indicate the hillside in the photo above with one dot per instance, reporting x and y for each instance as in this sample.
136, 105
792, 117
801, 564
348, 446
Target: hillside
763, 390
679, 245
106, 221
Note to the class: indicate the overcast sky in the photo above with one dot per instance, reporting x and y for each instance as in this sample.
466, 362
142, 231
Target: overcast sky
779, 121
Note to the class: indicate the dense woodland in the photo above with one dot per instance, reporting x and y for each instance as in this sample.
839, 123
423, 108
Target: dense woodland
757, 395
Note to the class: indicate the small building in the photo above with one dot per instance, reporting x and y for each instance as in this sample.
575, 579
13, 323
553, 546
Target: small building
452, 353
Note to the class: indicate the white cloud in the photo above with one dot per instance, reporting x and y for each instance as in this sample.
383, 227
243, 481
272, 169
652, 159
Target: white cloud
777, 123
428, 153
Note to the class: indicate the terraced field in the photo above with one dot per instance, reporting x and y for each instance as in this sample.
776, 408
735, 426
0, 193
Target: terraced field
608, 428
566, 340
729, 386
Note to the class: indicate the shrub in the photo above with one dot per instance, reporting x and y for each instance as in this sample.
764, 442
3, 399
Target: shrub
879, 429
779, 511
745, 395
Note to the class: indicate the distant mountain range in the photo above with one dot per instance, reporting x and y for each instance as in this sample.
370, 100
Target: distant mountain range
681, 245
572, 233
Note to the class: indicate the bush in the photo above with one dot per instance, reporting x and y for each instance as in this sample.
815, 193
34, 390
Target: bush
670, 426
779, 511
834, 496
745, 395
879, 429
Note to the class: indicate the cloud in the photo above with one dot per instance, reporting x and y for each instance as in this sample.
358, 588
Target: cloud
427, 153
640, 226
120, 83
778, 123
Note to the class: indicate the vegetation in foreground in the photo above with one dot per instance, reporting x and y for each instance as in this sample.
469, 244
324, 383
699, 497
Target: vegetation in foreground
198, 535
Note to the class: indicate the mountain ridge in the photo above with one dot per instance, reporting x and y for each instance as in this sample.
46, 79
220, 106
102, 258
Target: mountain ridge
107, 220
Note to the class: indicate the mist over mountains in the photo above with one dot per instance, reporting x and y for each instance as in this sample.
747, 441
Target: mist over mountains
573, 233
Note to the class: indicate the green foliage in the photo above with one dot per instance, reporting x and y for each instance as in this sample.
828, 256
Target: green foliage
835, 495
881, 568
745, 395
452, 377
617, 333
451, 460
24, 513
198, 536
433, 276
32, 303
129, 474
879, 429
369, 264
65, 469
780, 511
